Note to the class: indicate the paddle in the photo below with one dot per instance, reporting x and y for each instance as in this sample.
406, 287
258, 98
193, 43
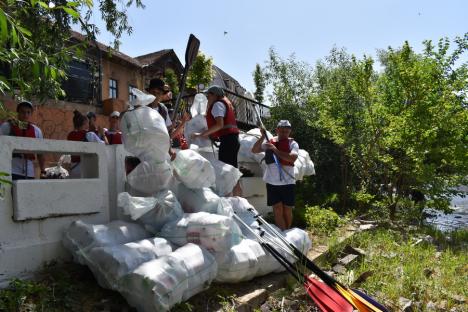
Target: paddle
280, 169
358, 299
323, 295
191, 52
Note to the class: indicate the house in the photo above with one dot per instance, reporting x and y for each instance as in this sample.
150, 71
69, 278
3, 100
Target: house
243, 101
99, 82
223, 79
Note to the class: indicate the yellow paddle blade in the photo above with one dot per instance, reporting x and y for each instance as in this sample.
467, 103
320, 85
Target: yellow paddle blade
364, 301
353, 300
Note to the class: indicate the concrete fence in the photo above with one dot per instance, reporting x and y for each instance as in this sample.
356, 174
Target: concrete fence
33, 213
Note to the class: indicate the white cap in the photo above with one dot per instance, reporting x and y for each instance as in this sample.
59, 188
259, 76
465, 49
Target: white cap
284, 124
115, 114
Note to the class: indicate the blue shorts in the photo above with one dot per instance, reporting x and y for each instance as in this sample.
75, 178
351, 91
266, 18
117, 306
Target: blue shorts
280, 194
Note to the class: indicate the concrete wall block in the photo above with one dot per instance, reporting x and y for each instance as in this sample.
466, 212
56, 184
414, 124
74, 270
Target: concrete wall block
38, 199
26, 245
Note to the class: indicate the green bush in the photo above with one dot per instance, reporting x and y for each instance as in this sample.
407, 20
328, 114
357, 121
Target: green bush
322, 221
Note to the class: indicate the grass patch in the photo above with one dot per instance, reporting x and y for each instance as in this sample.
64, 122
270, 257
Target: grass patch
60, 287
423, 265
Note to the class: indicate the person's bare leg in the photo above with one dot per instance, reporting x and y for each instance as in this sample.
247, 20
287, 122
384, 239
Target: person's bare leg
279, 217
287, 215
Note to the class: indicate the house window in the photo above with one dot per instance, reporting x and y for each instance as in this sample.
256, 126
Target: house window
131, 96
79, 85
113, 89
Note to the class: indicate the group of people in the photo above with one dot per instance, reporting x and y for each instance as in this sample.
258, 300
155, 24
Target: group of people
281, 151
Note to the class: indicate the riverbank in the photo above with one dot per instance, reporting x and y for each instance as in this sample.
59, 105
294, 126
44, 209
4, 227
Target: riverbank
403, 267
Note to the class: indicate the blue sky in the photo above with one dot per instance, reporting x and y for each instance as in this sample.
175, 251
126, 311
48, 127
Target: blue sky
309, 29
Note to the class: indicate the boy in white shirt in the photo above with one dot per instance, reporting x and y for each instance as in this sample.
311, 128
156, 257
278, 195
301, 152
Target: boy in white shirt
280, 154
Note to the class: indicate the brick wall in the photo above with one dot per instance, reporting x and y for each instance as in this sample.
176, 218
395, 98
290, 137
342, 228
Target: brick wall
56, 120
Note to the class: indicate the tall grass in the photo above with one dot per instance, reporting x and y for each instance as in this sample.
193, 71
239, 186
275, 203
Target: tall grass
416, 266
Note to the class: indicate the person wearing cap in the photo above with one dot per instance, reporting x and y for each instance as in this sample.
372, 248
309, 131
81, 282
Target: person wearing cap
22, 164
113, 134
161, 91
80, 133
98, 130
222, 126
280, 154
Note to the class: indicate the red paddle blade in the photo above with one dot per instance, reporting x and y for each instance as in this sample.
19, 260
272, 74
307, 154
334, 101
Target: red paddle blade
326, 298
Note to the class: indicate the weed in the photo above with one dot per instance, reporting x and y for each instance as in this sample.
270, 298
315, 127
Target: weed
228, 304
322, 221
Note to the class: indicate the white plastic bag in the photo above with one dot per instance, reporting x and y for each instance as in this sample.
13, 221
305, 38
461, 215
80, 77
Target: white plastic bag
152, 212
80, 237
244, 210
241, 263
247, 141
201, 268
159, 284
193, 169
156, 285
58, 172
303, 166
141, 98
150, 177
202, 200
214, 232
200, 102
226, 177
299, 238
197, 124
109, 264
144, 134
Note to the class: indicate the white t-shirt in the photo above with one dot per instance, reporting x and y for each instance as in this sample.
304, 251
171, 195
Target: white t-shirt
218, 110
168, 118
93, 137
272, 173
21, 166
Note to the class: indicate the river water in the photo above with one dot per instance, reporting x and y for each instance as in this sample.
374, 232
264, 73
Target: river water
458, 219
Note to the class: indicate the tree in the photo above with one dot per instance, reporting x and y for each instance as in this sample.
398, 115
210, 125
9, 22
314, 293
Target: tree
35, 41
398, 137
201, 71
171, 79
259, 80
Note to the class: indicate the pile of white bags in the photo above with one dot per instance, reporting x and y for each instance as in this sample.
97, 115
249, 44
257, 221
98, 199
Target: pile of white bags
183, 207
193, 169
144, 134
109, 264
80, 237
159, 284
152, 212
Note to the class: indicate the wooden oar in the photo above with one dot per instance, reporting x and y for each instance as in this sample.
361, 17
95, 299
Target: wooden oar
358, 299
326, 298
